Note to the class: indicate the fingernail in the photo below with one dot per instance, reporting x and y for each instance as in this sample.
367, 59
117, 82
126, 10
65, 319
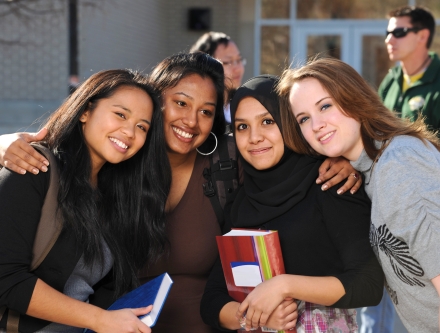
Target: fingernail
46, 162
44, 168
352, 191
324, 187
318, 181
22, 171
35, 171
339, 191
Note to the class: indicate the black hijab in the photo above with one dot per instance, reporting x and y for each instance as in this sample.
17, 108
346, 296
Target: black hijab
268, 194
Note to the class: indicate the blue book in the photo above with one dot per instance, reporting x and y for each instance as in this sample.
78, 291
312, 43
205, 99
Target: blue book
153, 292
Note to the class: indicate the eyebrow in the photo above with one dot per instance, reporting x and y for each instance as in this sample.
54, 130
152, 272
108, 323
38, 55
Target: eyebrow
191, 98
321, 100
261, 115
301, 113
129, 111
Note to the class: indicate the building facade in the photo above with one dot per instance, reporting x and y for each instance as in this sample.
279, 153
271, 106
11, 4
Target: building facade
47, 45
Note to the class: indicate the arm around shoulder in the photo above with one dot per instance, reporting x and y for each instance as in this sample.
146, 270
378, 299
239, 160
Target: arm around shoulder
17, 155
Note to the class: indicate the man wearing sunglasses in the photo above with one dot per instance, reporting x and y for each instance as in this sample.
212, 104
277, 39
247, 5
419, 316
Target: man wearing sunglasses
413, 86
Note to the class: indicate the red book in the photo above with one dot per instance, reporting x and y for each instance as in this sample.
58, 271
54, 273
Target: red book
248, 258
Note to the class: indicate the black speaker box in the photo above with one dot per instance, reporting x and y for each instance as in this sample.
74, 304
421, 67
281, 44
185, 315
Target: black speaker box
199, 19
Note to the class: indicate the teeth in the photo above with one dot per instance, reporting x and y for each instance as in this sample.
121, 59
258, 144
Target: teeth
119, 143
182, 133
326, 136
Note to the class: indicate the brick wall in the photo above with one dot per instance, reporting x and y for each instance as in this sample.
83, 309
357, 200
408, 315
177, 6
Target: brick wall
121, 34
33, 62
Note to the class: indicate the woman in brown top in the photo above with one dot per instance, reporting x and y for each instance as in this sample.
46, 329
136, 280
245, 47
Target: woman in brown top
192, 87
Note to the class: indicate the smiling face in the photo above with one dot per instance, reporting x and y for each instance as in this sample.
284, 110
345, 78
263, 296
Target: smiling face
189, 110
117, 127
233, 66
327, 130
258, 137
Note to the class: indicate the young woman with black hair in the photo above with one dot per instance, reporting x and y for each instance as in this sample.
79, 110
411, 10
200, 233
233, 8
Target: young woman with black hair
191, 87
103, 141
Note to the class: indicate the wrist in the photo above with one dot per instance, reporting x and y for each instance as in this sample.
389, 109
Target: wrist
227, 316
285, 284
97, 319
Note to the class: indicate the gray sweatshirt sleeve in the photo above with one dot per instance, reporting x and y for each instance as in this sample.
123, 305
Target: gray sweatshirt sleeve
407, 198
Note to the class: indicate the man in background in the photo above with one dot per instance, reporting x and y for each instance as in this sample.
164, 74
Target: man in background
413, 86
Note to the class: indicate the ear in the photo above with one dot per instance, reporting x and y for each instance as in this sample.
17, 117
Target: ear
84, 117
423, 36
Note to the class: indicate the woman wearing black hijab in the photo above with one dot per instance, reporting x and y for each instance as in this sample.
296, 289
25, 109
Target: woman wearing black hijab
324, 236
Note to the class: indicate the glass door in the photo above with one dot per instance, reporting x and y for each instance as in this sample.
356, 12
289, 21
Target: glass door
360, 44
371, 60
310, 40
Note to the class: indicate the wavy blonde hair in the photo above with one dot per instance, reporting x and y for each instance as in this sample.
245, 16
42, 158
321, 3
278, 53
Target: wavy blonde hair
356, 98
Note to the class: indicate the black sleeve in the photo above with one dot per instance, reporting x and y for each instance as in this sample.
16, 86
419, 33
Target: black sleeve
215, 297
347, 219
104, 291
21, 200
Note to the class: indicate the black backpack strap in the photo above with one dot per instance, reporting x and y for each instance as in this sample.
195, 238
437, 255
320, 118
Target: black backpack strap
210, 192
222, 176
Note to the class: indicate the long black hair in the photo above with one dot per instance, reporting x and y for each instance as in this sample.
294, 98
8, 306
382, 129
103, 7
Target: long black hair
127, 207
168, 73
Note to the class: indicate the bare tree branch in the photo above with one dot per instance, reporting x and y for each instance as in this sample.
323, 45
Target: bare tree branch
26, 11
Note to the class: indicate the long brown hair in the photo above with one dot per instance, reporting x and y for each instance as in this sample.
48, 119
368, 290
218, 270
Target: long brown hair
355, 98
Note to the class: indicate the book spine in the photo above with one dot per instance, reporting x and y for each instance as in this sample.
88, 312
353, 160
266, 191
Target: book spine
263, 257
274, 255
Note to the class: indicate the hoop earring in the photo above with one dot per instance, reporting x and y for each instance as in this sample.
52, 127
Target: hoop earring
216, 141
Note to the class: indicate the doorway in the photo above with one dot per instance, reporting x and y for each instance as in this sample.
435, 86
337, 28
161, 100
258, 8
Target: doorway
358, 43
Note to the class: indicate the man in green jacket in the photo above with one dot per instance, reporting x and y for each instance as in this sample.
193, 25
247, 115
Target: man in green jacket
412, 87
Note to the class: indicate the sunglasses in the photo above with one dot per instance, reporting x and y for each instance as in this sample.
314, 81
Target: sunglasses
401, 32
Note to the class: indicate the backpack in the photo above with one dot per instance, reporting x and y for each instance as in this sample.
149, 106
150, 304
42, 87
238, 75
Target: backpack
222, 175
48, 230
